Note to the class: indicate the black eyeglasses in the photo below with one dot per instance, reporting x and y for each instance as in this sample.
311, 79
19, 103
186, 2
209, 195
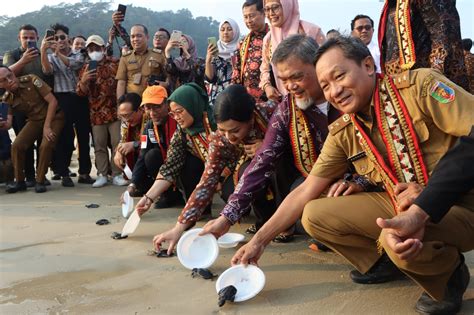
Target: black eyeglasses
60, 37
274, 9
363, 27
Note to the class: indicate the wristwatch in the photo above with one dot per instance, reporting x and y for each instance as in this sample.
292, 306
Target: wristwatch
136, 144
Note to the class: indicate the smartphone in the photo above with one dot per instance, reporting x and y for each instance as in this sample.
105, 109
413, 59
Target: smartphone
3, 111
32, 44
49, 33
212, 41
176, 35
92, 65
122, 9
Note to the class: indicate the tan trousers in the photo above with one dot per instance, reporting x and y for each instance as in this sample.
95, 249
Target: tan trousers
101, 135
347, 225
31, 132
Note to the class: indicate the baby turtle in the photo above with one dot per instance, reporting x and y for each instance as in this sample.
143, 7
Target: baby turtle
203, 273
117, 236
161, 254
102, 222
226, 294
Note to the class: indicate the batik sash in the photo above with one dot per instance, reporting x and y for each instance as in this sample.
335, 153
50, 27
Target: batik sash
302, 142
399, 136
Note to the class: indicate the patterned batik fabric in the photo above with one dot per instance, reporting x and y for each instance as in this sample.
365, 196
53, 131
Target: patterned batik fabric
246, 63
101, 93
221, 80
434, 28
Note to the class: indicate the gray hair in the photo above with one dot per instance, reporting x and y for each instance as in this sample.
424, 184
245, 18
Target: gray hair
300, 46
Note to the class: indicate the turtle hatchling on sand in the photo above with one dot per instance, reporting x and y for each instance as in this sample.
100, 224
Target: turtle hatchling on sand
226, 294
203, 273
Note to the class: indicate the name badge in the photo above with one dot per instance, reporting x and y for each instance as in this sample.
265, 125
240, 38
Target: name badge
143, 140
357, 156
151, 134
137, 78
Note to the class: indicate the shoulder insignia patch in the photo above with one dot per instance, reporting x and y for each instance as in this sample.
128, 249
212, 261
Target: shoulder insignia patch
402, 80
6, 96
38, 83
128, 53
157, 50
442, 92
25, 78
340, 124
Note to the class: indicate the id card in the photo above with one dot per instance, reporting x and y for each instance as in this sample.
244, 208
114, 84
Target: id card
143, 140
137, 78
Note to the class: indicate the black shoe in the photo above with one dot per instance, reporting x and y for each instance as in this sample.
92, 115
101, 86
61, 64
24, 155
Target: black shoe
252, 229
40, 187
320, 246
451, 304
56, 177
16, 186
47, 182
67, 181
72, 174
30, 183
384, 270
85, 179
162, 203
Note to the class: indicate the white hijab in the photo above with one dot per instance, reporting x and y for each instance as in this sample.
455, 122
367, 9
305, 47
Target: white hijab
227, 49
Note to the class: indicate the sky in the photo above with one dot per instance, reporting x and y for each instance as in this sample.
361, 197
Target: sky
327, 14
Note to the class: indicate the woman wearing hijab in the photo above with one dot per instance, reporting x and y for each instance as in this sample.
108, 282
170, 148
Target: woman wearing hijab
218, 59
187, 67
241, 126
188, 149
284, 18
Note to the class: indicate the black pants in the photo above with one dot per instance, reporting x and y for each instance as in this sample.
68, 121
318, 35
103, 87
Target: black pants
190, 175
76, 114
19, 121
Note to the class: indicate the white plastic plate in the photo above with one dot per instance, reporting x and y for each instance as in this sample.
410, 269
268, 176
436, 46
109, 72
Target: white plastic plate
196, 251
131, 224
248, 281
229, 240
127, 205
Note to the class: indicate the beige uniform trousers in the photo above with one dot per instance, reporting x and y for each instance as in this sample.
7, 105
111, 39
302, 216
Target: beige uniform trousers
104, 160
31, 132
347, 225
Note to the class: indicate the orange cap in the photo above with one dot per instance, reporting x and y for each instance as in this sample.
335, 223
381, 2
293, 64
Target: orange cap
154, 94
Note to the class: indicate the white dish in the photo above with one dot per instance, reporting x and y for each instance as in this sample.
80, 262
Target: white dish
127, 205
229, 240
127, 171
248, 281
131, 224
196, 251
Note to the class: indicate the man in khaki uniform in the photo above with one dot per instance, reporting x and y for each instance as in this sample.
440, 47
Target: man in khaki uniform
139, 65
393, 132
31, 96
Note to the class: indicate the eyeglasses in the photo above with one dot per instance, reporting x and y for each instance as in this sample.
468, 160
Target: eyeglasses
363, 27
60, 37
274, 9
160, 37
176, 112
125, 117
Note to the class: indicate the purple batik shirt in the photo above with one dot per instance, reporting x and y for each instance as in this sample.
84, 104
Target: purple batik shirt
277, 139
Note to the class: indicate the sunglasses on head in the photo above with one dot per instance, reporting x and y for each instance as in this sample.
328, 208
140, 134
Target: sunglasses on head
60, 37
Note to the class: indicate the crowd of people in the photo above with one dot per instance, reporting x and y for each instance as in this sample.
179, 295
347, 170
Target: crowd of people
369, 144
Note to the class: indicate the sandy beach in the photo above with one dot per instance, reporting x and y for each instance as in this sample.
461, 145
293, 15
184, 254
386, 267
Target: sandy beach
55, 260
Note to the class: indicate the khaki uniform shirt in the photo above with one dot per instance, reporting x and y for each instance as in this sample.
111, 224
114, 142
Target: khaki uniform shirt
29, 97
437, 124
136, 69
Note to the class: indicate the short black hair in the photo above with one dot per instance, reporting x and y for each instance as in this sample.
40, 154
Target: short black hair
333, 31
60, 27
28, 27
234, 103
161, 29
132, 98
361, 16
467, 44
258, 3
6, 67
145, 30
352, 48
79, 36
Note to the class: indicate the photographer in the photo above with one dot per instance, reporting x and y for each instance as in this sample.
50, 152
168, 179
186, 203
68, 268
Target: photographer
96, 83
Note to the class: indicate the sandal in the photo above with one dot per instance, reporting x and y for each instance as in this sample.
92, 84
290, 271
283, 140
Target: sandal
284, 238
252, 229
318, 247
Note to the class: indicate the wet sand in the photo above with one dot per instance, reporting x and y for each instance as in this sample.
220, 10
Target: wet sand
54, 260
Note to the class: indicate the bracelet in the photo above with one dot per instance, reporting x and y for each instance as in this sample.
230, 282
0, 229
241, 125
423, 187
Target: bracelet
148, 198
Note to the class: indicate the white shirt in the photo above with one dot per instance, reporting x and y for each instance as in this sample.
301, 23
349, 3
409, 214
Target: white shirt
375, 52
